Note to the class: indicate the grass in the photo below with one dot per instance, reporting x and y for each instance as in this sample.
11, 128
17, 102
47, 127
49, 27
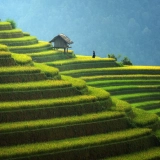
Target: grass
153, 153
4, 23
147, 105
22, 59
34, 85
33, 104
18, 70
4, 48
121, 77
157, 133
38, 47
10, 31
123, 82
120, 105
138, 95
76, 82
115, 70
26, 40
68, 144
34, 46
99, 93
49, 71
27, 125
129, 90
143, 118
44, 53
80, 60
4, 54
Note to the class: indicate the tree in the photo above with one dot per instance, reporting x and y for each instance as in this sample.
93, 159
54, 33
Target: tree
126, 61
12, 22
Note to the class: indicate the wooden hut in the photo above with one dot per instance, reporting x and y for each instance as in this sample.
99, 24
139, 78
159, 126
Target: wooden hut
61, 41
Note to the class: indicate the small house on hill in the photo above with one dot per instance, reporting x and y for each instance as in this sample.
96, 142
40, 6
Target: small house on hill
61, 41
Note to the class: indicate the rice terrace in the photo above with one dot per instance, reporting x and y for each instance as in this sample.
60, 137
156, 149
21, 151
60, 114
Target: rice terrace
55, 104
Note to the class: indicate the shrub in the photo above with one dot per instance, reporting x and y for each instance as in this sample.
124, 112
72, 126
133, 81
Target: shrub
112, 56
12, 22
126, 61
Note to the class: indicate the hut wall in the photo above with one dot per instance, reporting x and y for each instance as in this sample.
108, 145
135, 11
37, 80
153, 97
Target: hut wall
60, 43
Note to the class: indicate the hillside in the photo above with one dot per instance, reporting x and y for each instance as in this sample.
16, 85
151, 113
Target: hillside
48, 112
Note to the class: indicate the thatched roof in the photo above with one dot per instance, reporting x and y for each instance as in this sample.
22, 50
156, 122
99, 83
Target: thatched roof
64, 37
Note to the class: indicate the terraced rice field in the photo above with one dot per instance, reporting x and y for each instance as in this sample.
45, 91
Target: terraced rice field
47, 115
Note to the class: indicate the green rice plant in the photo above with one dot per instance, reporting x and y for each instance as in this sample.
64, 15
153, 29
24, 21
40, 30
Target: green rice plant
69, 144
143, 118
5, 26
4, 23
147, 105
155, 111
120, 105
39, 47
99, 93
18, 70
19, 126
49, 71
77, 82
4, 48
115, 70
22, 59
26, 34
11, 33
34, 46
79, 60
138, 95
120, 77
152, 153
124, 82
33, 104
34, 85
45, 53
157, 133
4, 54
26, 40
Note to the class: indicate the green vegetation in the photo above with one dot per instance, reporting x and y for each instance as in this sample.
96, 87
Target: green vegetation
34, 85
120, 105
26, 40
99, 93
44, 53
12, 22
143, 118
18, 69
3, 48
68, 144
22, 59
49, 71
30, 104
80, 60
129, 70
77, 82
37, 124
143, 155
38, 47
